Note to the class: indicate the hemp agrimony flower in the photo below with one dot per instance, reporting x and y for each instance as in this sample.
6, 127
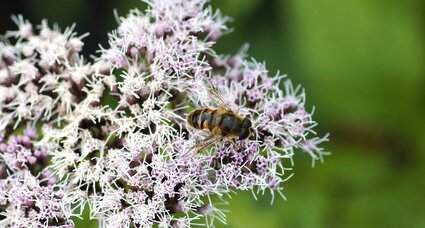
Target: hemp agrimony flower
40, 80
41, 75
118, 140
30, 195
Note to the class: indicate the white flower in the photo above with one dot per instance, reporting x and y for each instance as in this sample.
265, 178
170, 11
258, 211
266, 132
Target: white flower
119, 140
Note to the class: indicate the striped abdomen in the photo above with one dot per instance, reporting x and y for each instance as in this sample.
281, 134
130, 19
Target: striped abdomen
202, 118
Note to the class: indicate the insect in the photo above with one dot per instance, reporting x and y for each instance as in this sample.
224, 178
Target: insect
221, 122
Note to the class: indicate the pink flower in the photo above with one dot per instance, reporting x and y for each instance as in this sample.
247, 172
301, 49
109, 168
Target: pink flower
114, 133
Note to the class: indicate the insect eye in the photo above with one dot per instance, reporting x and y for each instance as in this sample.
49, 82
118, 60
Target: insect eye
245, 130
246, 123
244, 133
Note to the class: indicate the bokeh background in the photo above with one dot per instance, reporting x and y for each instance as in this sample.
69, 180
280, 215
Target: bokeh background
362, 63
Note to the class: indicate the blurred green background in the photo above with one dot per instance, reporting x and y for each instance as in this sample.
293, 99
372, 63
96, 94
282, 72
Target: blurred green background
362, 63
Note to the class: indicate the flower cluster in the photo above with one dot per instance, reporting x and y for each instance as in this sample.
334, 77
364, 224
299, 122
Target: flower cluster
30, 195
120, 142
41, 75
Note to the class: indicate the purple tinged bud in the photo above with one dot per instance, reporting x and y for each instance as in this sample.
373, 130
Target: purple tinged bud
117, 58
19, 139
150, 55
9, 60
159, 31
38, 153
75, 99
121, 61
134, 52
3, 147
47, 173
26, 141
205, 209
75, 45
41, 155
11, 148
235, 75
234, 61
81, 84
30, 132
46, 128
8, 82
131, 100
13, 140
217, 62
32, 160
214, 36
115, 89
51, 181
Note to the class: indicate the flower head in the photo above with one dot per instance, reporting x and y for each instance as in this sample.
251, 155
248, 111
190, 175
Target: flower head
123, 145
41, 75
30, 194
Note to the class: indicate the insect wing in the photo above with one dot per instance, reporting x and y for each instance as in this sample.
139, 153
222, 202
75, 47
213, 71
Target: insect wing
202, 145
216, 96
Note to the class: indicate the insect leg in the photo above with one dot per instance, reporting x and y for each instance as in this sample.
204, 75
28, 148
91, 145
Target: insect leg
233, 141
202, 145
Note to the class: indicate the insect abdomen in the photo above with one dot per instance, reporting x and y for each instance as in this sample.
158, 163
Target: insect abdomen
201, 118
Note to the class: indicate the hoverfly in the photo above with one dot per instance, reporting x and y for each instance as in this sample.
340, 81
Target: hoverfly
220, 122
